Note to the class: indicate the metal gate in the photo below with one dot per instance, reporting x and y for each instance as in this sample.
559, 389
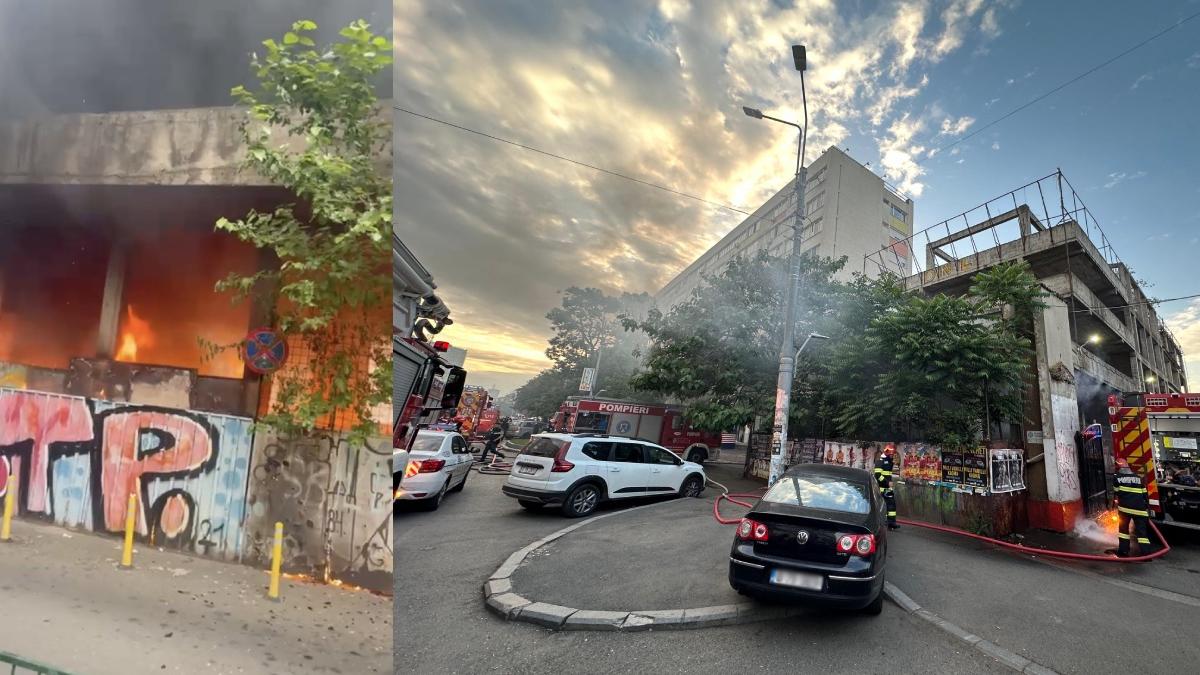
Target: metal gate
15, 664
1092, 484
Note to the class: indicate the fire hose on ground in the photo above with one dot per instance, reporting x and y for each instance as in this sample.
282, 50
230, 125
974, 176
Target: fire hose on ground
736, 498
496, 467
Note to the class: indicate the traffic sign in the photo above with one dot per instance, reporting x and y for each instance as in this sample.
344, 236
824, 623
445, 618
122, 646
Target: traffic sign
264, 351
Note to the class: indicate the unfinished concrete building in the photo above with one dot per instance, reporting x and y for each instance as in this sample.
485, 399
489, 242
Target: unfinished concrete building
109, 256
1098, 334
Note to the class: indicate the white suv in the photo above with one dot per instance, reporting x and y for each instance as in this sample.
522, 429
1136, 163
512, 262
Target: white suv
578, 471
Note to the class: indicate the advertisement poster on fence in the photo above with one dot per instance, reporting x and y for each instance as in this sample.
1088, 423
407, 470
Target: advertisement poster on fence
1008, 470
849, 454
921, 462
952, 467
975, 469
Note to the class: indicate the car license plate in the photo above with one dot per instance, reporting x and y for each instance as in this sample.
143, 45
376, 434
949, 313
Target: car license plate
527, 469
812, 582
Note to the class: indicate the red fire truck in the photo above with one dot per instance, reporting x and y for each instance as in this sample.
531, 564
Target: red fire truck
1158, 434
660, 424
423, 385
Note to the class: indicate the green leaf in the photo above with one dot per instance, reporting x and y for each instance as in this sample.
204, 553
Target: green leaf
290, 38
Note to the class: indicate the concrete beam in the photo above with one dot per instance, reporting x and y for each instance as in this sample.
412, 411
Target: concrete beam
1068, 284
196, 146
1097, 368
977, 228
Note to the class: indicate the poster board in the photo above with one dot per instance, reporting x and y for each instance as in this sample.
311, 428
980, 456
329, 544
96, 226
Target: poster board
975, 467
1006, 470
952, 467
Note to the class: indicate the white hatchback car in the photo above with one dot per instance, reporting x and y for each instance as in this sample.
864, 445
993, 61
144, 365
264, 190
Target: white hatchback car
577, 471
439, 462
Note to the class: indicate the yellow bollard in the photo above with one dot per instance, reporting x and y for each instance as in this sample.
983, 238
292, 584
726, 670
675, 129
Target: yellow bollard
276, 561
10, 501
130, 521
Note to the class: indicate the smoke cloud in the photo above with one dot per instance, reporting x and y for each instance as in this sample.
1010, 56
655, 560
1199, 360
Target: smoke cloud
81, 56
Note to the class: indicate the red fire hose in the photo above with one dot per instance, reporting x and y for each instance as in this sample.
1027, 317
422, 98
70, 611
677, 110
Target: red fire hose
942, 528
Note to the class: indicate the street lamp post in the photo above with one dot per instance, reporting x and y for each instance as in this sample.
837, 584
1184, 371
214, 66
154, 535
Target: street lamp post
787, 351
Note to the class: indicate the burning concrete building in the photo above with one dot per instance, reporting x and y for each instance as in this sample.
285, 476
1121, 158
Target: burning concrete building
1097, 335
109, 257
108, 262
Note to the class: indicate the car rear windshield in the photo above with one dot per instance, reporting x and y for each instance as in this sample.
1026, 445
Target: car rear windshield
427, 443
820, 492
541, 446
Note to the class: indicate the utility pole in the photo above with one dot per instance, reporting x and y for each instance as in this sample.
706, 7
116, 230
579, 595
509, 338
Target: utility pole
787, 350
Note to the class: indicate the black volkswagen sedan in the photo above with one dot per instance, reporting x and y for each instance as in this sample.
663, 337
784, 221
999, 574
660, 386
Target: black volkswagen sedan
818, 534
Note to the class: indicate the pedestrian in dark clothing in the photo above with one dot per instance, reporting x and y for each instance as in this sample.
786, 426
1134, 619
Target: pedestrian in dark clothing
494, 436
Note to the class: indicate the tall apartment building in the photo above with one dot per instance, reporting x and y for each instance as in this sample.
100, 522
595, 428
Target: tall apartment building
850, 212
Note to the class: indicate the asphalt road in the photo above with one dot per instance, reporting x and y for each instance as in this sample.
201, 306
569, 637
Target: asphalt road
1066, 616
441, 625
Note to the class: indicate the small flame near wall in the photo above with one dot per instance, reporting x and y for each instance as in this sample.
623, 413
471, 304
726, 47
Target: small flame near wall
336, 583
1101, 528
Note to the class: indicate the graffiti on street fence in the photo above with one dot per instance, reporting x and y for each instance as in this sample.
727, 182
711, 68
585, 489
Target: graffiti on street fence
205, 483
334, 499
77, 460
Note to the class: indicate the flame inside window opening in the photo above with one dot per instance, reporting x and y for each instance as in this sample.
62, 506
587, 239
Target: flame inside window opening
137, 332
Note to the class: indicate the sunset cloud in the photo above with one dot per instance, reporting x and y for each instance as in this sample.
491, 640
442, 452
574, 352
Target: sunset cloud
648, 89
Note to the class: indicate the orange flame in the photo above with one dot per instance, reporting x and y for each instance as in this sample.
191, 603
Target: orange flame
311, 579
137, 333
1108, 520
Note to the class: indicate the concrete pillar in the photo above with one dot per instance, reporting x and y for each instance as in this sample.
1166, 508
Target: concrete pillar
113, 302
1060, 421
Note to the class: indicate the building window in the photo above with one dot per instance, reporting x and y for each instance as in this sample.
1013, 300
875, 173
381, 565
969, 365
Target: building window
898, 214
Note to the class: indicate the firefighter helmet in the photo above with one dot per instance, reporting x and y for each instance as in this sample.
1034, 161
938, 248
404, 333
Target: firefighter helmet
889, 449
1122, 463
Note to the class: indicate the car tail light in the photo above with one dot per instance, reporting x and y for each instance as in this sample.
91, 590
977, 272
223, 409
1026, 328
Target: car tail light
857, 544
416, 466
752, 530
561, 465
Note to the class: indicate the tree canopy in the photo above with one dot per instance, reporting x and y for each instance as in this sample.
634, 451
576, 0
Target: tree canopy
586, 326
897, 364
330, 289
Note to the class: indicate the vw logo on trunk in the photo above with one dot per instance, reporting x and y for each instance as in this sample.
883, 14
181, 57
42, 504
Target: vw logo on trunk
802, 536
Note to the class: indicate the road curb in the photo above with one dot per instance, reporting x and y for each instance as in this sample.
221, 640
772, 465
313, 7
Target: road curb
502, 600
1011, 659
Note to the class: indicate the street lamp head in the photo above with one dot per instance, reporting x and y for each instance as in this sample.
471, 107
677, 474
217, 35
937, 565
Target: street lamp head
1150, 379
752, 112
1094, 339
818, 336
799, 57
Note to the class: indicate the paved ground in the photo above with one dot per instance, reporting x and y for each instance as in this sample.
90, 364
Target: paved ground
1064, 616
443, 558
66, 604
681, 537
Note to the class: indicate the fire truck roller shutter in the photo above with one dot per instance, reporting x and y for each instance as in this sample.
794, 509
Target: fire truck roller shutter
651, 428
622, 424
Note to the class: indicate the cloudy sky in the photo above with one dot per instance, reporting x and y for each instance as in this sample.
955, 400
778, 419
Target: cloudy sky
655, 89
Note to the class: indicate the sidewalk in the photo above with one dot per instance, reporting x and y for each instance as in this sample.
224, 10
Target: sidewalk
68, 606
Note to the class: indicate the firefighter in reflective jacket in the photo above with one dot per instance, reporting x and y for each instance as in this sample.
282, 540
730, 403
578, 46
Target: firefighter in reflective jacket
883, 475
1132, 504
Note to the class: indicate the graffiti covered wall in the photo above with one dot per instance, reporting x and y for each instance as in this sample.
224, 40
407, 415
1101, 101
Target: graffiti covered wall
206, 483
334, 499
77, 460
